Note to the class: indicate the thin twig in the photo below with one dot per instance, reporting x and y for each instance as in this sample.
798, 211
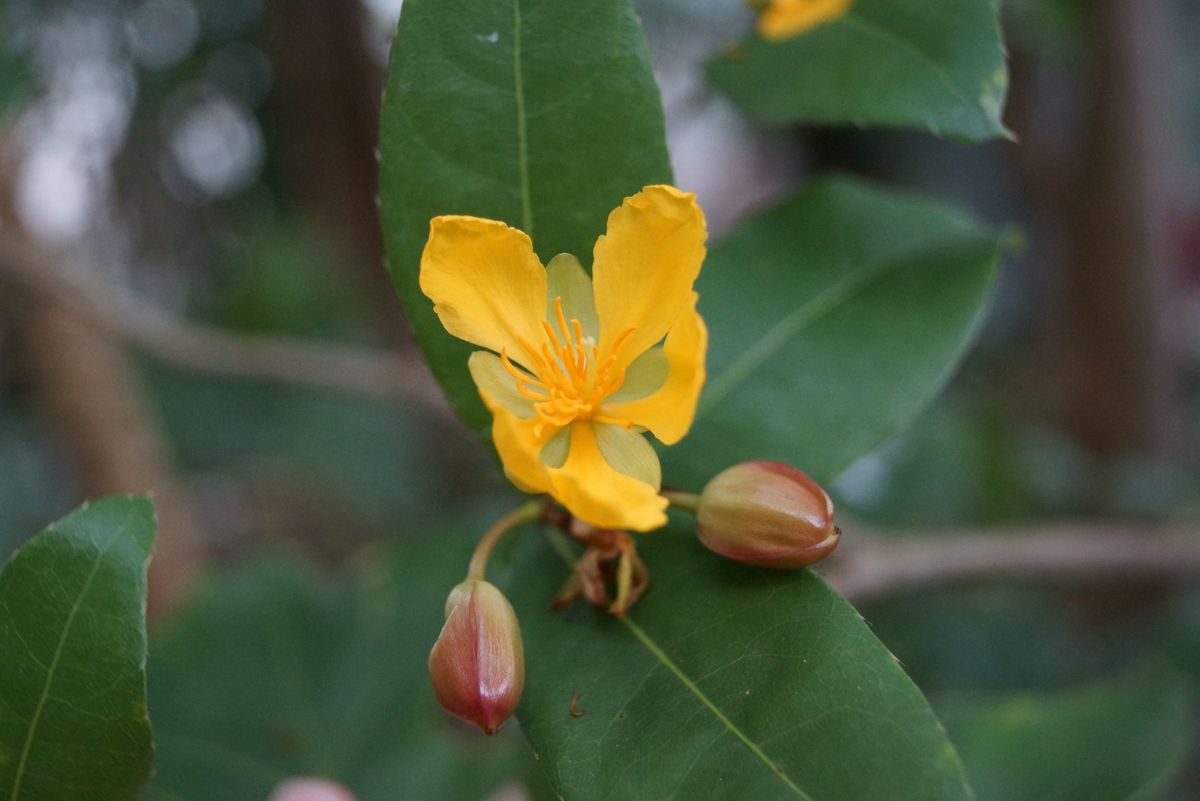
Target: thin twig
211, 350
870, 566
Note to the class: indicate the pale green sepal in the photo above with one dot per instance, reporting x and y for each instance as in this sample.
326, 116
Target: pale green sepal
568, 280
629, 453
554, 452
490, 375
643, 377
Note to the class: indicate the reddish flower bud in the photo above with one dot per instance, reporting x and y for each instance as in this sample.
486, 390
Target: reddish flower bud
477, 665
767, 514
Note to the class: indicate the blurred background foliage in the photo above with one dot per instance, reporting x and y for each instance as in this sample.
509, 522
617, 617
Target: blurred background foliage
215, 158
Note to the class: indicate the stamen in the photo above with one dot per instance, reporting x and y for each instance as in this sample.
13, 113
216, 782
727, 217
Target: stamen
537, 360
621, 337
562, 321
550, 334
571, 377
524, 380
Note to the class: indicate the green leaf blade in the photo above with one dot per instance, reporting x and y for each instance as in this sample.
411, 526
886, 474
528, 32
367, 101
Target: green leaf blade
891, 63
539, 113
833, 319
1120, 739
73, 719
276, 671
726, 682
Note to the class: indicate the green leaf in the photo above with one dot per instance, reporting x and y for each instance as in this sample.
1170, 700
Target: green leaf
276, 671
1113, 741
833, 319
540, 113
725, 682
892, 63
73, 718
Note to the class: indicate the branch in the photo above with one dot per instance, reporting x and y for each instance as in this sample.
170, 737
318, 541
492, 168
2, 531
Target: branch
865, 567
210, 350
869, 566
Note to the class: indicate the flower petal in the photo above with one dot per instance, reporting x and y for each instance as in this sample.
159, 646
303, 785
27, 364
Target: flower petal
783, 19
519, 446
595, 492
569, 281
669, 412
489, 374
486, 283
645, 265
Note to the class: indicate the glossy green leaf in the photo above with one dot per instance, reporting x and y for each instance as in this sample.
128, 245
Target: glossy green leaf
276, 671
893, 63
540, 113
725, 682
72, 658
1106, 742
833, 319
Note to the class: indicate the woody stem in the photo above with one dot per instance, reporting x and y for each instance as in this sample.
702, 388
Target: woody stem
525, 513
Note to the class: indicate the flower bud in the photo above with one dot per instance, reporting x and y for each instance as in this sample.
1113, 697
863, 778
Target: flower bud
477, 665
307, 789
767, 514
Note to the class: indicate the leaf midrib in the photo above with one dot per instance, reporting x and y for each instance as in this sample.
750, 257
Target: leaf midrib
522, 130
806, 315
52, 670
557, 543
777, 336
871, 27
650, 645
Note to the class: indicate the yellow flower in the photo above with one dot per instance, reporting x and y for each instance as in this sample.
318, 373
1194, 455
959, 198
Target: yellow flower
580, 374
783, 19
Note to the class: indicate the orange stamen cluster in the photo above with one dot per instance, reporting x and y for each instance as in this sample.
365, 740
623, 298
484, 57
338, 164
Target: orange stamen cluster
572, 379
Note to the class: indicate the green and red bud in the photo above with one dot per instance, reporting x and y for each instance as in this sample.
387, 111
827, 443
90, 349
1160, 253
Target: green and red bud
767, 514
477, 665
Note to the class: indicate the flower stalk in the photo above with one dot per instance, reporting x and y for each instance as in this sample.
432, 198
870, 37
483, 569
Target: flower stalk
525, 513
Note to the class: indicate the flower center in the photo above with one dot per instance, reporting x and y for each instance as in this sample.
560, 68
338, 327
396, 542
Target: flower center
572, 378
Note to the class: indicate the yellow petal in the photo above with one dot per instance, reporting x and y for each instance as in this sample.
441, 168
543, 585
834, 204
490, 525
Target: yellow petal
784, 19
519, 446
669, 412
595, 492
486, 283
645, 265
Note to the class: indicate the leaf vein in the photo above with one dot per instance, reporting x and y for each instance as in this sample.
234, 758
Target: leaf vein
522, 132
53, 667
691, 687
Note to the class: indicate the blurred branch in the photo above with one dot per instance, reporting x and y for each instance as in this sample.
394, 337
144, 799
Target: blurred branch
93, 403
209, 350
868, 567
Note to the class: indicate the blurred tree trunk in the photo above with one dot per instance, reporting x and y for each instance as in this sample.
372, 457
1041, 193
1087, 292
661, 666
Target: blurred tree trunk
90, 398
326, 95
1113, 350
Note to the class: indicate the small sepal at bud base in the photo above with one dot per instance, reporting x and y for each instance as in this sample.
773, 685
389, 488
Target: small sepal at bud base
767, 514
477, 665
